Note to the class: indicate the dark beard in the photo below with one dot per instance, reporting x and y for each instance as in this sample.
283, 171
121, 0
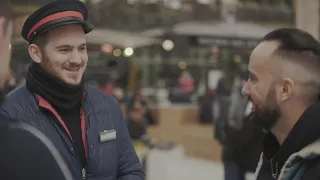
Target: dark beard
266, 116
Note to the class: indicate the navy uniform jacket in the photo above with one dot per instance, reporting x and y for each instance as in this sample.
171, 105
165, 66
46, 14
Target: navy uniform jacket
110, 158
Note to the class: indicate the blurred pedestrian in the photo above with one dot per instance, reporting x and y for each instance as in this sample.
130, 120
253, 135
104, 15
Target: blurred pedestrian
223, 101
242, 143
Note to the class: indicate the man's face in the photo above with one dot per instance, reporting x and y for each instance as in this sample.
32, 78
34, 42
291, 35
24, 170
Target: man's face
6, 29
65, 54
260, 87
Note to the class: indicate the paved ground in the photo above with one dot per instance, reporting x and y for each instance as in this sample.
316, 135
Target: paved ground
173, 165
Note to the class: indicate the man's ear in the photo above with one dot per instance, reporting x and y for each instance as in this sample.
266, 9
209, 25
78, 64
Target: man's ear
2, 31
287, 89
35, 53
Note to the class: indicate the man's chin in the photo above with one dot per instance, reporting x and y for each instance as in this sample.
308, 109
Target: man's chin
72, 79
73, 82
264, 121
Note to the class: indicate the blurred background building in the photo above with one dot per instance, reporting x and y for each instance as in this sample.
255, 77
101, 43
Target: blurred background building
170, 35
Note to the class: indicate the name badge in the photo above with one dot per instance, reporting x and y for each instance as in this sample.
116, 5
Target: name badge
108, 135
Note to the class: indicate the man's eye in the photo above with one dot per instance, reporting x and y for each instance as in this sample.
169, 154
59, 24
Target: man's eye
82, 48
64, 50
252, 78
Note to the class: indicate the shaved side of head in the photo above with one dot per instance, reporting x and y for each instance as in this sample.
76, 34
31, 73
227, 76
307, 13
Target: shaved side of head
305, 76
297, 57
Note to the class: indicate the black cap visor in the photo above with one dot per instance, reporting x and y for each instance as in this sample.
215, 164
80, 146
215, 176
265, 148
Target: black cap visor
87, 27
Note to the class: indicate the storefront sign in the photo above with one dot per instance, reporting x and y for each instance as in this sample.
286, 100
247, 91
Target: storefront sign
224, 42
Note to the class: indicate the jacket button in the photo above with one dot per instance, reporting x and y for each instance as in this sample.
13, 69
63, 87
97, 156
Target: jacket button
71, 149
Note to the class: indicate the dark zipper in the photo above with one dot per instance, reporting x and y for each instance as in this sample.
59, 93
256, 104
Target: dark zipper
83, 170
84, 173
274, 171
48, 107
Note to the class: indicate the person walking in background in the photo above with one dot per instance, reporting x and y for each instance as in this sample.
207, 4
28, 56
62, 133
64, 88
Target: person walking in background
284, 88
223, 92
186, 83
240, 140
243, 143
85, 124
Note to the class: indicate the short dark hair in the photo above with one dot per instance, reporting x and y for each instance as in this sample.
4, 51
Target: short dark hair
41, 41
295, 41
299, 47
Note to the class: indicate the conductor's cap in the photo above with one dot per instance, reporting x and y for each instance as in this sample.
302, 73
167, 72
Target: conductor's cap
54, 14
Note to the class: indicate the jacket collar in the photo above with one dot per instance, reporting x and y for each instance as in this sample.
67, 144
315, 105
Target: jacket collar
297, 139
295, 160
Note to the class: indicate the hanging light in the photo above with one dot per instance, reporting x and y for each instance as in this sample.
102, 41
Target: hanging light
128, 52
117, 52
168, 45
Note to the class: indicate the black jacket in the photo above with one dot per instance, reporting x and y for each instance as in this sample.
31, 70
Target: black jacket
26, 154
299, 155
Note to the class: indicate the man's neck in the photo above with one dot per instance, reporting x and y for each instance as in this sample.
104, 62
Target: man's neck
281, 131
285, 124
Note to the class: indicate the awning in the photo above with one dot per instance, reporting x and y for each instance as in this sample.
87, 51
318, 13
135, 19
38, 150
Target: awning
120, 38
223, 29
216, 29
115, 38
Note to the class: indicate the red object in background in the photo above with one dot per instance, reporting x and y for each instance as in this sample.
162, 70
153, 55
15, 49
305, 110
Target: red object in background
212, 93
186, 84
107, 89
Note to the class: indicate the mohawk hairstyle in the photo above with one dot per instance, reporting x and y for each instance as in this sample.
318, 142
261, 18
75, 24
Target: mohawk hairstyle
303, 49
296, 44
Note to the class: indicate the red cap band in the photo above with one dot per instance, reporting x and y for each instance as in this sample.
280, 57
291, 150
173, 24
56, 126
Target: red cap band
55, 16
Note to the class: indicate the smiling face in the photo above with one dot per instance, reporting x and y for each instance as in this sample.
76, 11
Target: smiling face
260, 87
64, 55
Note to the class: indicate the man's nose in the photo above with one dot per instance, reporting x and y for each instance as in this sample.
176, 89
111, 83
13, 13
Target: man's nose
245, 89
76, 58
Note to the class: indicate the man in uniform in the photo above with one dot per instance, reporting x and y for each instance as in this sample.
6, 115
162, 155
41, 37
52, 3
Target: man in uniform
25, 153
85, 124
